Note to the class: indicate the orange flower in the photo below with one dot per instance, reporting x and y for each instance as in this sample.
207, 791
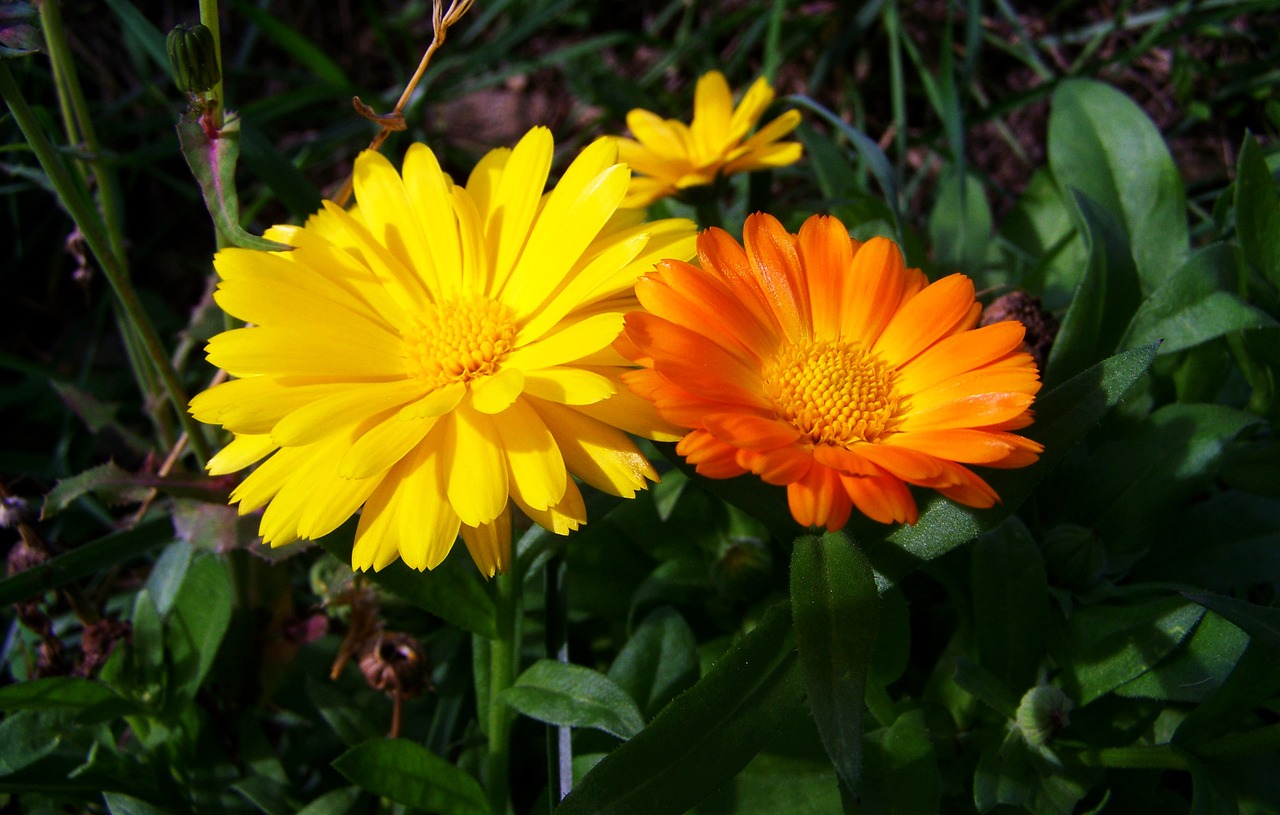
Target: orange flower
826, 365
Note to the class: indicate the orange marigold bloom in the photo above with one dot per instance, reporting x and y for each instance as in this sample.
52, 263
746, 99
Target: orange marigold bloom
826, 365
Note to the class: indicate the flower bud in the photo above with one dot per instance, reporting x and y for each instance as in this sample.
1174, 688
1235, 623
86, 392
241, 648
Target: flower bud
193, 58
396, 663
1043, 711
743, 570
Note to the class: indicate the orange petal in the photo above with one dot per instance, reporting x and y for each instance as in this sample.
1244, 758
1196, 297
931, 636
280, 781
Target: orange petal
712, 457
884, 499
826, 254
771, 250
722, 257
846, 461
925, 319
968, 446
873, 292
974, 411
749, 431
781, 466
694, 363
819, 500
969, 489
717, 306
911, 466
958, 354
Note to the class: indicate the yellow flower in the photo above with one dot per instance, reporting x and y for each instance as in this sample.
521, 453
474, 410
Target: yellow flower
674, 156
438, 351
827, 366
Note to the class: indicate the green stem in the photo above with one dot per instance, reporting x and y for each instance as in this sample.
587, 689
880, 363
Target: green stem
559, 739
897, 91
78, 126
1155, 757
90, 224
504, 663
209, 19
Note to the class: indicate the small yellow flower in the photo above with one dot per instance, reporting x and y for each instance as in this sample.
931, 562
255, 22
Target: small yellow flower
673, 156
437, 352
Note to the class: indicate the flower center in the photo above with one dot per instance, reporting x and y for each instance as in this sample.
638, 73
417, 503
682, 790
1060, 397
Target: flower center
459, 340
833, 392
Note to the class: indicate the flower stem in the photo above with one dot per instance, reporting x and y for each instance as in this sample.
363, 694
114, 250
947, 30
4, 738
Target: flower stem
76, 201
504, 663
559, 739
209, 19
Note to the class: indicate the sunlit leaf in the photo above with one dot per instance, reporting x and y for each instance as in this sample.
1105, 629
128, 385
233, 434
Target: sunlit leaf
573, 696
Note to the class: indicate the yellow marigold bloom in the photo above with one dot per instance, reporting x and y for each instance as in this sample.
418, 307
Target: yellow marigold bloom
828, 366
674, 156
438, 351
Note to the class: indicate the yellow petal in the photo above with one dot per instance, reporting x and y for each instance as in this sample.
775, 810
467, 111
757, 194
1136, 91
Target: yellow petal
515, 201
428, 526
571, 342
490, 544
253, 406
494, 394
563, 518
377, 542
582, 286
242, 451
569, 386
389, 214
404, 286
353, 404
600, 455
431, 192
477, 468
383, 445
533, 457
246, 352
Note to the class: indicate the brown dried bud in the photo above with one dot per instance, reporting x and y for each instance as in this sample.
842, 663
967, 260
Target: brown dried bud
13, 511
396, 663
50, 660
1042, 327
98, 641
23, 556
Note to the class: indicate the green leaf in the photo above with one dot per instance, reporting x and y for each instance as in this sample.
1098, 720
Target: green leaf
196, 625
412, 775
1010, 604
836, 609
1104, 646
1105, 146
112, 483
1103, 303
1063, 417
1197, 669
28, 736
120, 804
90, 700
1257, 211
901, 776
1197, 548
658, 662
706, 735
1262, 623
271, 796
773, 784
90, 558
1255, 680
453, 591
213, 163
571, 695
1013, 773
1136, 480
986, 687
1042, 243
960, 224
335, 802
1195, 304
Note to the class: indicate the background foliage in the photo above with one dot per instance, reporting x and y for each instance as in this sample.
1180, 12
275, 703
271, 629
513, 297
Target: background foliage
1107, 639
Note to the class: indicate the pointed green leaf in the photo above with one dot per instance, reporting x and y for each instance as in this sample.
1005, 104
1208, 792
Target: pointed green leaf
658, 662
412, 775
335, 802
1255, 680
1258, 211
120, 804
706, 735
1103, 303
196, 625
574, 696
960, 224
1105, 146
1010, 604
1262, 623
902, 776
836, 610
1195, 304
1197, 669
